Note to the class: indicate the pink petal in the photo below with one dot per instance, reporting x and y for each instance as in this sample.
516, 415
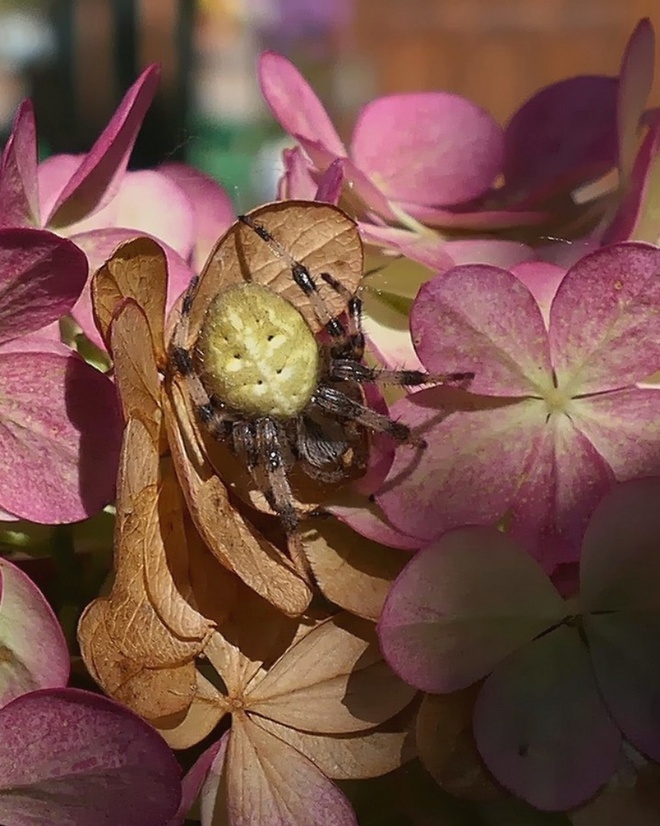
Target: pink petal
41, 277
99, 245
212, 208
620, 563
54, 173
625, 652
635, 82
636, 217
428, 250
542, 280
473, 466
429, 148
564, 135
297, 181
541, 726
98, 177
150, 204
35, 653
294, 104
19, 194
494, 251
565, 481
623, 427
461, 606
483, 319
603, 321
195, 778
60, 432
475, 218
330, 183
72, 757
370, 523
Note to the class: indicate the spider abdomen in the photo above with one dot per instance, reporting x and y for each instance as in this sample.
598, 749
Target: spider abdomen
257, 354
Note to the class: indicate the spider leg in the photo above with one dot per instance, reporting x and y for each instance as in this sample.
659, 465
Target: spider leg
207, 407
275, 459
339, 404
343, 369
354, 344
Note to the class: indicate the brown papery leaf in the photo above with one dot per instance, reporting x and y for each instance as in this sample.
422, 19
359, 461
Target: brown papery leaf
320, 236
197, 721
237, 544
355, 756
137, 269
447, 749
149, 692
333, 680
136, 372
353, 572
268, 782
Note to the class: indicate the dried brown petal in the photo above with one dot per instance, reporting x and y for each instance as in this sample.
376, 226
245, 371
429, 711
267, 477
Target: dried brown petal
149, 692
446, 746
353, 572
193, 724
137, 270
350, 756
333, 680
237, 544
136, 372
320, 236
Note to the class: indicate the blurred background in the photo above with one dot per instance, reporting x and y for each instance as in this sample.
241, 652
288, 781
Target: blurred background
77, 57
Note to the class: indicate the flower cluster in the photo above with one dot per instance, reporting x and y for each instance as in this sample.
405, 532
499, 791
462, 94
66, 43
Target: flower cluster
460, 569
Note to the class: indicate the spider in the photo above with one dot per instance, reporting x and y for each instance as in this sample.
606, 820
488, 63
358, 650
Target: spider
279, 396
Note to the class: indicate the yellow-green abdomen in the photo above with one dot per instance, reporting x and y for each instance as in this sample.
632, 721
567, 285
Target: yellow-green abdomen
257, 354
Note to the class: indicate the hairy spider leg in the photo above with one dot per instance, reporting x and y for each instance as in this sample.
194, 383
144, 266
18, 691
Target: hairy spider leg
207, 407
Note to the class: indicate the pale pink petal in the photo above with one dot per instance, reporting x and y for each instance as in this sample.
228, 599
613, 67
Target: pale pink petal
541, 727
461, 606
564, 135
625, 652
269, 782
636, 217
371, 524
620, 563
98, 177
41, 277
472, 217
294, 103
483, 319
472, 468
635, 82
76, 758
429, 148
603, 321
330, 183
19, 193
99, 245
493, 251
150, 204
623, 427
542, 280
212, 208
54, 174
564, 483
297, 181
428, 250
35, 653
60, 432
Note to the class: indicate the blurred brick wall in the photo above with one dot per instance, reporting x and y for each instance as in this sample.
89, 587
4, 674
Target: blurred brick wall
496, 52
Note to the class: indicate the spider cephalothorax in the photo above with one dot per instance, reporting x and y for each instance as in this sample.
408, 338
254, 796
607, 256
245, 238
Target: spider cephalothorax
280, 396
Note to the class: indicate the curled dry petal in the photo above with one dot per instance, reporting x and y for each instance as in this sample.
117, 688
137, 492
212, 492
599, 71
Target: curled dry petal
541, 727
462, 605
268, 781
41, 277
69, 756
333, 680
34, 651
136, 270
191, 725
320, 236
60, 428
351, 571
